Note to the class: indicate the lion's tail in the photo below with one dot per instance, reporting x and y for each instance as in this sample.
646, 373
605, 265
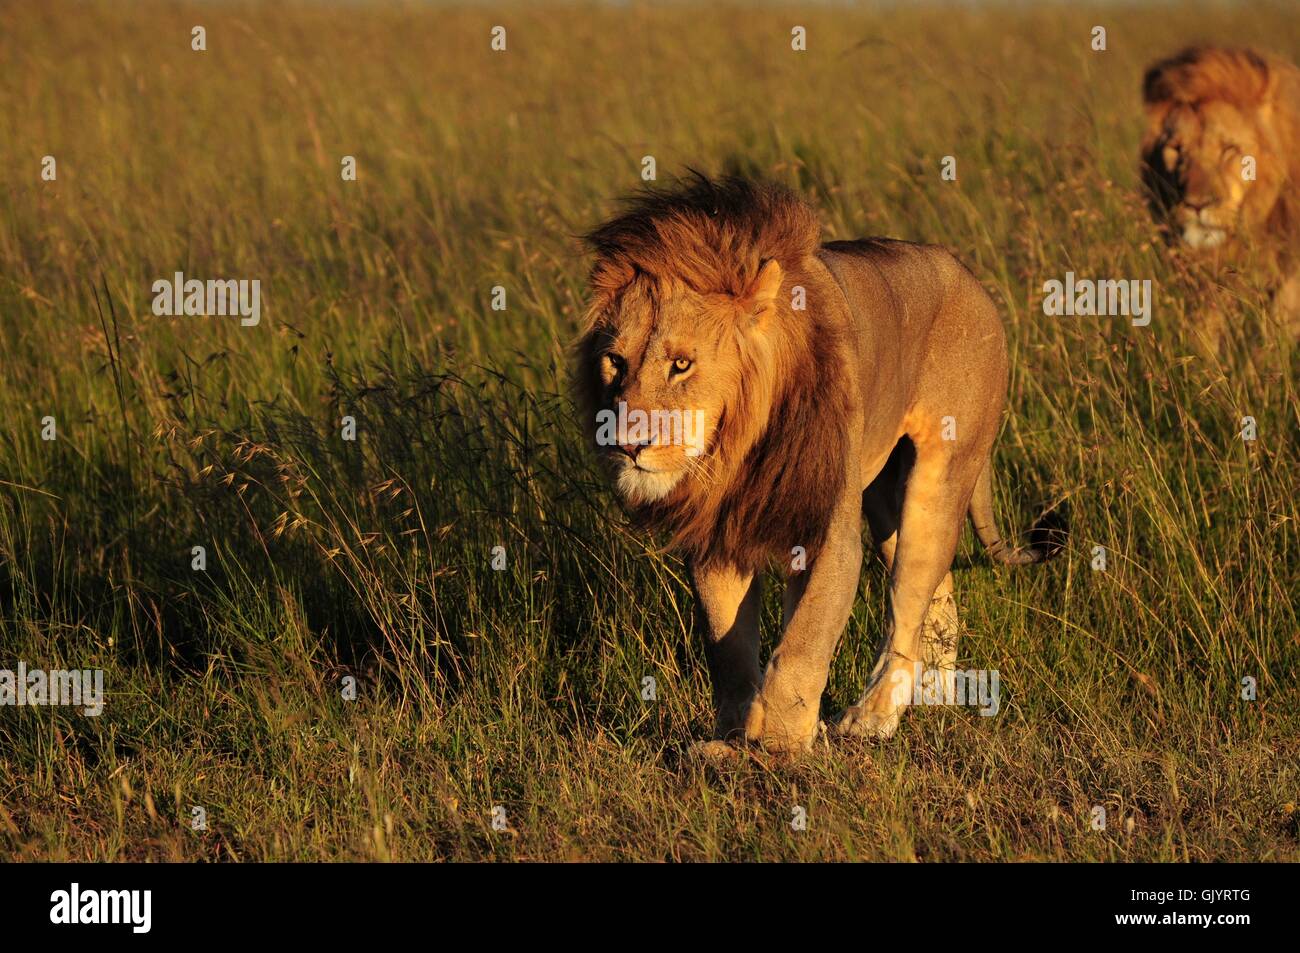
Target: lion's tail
1046, 539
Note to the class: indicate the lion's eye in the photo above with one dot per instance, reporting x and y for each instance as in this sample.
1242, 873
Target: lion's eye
681, 365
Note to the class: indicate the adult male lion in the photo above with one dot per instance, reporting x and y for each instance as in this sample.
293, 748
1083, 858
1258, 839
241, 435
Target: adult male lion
1221, 158
828, 382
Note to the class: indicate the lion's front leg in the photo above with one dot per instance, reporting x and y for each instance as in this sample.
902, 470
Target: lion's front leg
727, 606
784, 715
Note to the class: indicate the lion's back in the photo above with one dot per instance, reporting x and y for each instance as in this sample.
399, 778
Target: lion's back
911, 280
917, 310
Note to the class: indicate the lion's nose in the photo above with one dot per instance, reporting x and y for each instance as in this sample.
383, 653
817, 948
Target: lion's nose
1196, 206
631, 449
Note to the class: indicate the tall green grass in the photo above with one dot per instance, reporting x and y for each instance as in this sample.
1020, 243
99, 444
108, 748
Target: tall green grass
371, 559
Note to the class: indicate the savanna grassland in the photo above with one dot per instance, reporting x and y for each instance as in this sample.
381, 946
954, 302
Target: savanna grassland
522, 688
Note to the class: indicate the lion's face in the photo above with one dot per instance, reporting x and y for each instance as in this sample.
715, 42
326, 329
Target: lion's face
665, 364
1219, 155
1196, 168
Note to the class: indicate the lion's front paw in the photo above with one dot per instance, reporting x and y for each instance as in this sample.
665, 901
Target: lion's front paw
784, 726
878, 713
863, 722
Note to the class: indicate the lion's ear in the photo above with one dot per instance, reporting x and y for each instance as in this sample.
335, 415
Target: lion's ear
760, 298
605, 284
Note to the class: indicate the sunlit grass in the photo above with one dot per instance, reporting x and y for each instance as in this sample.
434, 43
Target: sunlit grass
371, 558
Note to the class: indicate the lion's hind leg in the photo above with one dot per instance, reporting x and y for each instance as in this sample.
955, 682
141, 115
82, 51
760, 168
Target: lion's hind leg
882, 505
923, 627
940, 634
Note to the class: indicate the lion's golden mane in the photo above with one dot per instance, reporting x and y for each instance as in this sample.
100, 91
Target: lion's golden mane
775, 466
